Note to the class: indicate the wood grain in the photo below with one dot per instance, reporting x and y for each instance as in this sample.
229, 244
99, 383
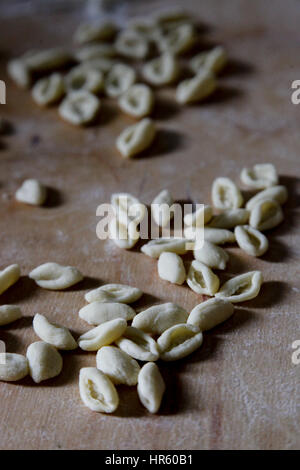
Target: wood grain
240, 390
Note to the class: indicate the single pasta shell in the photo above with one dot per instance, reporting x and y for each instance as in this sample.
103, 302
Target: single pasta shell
241, 288
97, 391
151, 387
210, 313
179, 341
97, 312
158, 318
117, 365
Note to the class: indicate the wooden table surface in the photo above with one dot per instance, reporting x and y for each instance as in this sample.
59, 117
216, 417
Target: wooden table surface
241, 389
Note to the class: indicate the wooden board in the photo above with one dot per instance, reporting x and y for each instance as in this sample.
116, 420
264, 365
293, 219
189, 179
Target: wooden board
240, 390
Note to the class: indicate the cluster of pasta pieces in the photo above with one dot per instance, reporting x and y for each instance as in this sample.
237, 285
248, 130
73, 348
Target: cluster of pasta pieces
75, 80
127, 353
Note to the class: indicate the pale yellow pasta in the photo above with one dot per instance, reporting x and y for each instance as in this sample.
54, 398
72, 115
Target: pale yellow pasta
201, 279
161, 208
19, 72
131, 45
179, 341
138, 344
212, 255
85, 78
117, 365
250, 240
48, 90
127, 208
241, 288
200, 217
9, 276
230, 219
210, 313
102, 335
162, 70
114, 293
151, 387
31, 192
9, 314
155, 247
158, 318
119, 79
79, 107
98, 312
225, 194
171, 268
176, 39
197, 88
275, 193
137, 101
13, 367
136, 138
260, 176
123, 235
265, 215
213, 60
44, 361
54, 276
57, 335
97, 391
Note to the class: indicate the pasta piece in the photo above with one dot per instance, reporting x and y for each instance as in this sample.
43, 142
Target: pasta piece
151, 387
265, 215
136, 138
59, 336
154, 248
97, 312
32, 192
117, 365
114, 293
213, 60
201, 279
275, 193
84, 78
179, 341
102, 335
171, 268
162, 70
138, 345
230, 219
226, 195
9, 314
250, 240
13, 367
240, 288
131, 45
95, 51
212, 255
97, 391
44, 361
48, 90
161, 208
119, 79
197, 88
9, 276
261, 176
158, 318
210, 313
79, 107
137, 101
54, 276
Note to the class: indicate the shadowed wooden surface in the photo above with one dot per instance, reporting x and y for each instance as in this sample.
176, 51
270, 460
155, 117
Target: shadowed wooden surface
240, 390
